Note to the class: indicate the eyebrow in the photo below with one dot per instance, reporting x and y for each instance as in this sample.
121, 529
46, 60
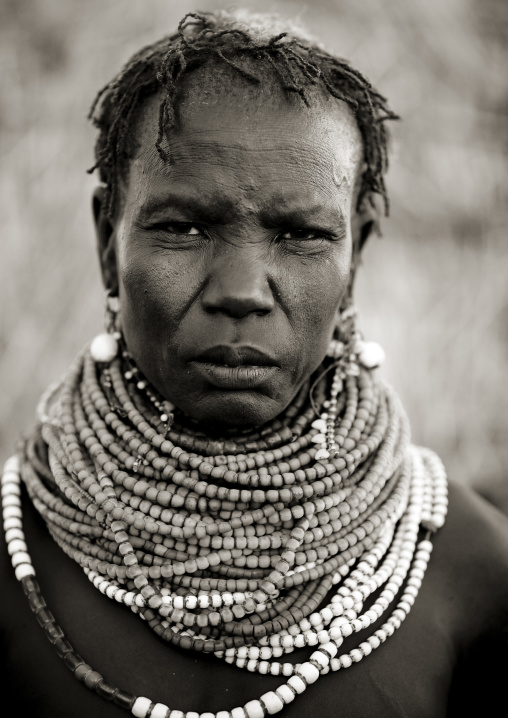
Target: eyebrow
217, 207
212, 210
294, 215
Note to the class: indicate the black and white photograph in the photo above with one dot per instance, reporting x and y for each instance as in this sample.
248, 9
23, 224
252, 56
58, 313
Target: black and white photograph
254, 358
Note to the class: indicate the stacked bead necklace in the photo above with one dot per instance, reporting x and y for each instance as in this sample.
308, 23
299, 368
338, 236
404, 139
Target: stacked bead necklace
232, 546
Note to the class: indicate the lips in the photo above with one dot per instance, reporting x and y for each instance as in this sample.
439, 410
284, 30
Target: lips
235, 368
235, 356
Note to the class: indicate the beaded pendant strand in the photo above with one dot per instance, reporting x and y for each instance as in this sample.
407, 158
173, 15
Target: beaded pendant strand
230, 546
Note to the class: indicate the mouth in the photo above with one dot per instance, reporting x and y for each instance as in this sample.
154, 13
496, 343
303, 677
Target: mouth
232, 367
235, 356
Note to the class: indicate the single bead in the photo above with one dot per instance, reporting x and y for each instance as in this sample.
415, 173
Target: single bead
346, 661
124, 699
371, 355
322, 454
104, 690
161, 711
356, 655
141, 707
104, 348
273, 702
254, 709
24, 570
309, 672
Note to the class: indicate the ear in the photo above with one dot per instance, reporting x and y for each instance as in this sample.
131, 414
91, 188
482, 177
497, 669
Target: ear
105, 231
365, 221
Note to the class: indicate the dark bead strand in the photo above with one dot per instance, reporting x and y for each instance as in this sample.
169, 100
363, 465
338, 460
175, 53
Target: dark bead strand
55, 635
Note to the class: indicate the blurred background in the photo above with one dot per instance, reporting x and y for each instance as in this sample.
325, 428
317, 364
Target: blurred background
433, 290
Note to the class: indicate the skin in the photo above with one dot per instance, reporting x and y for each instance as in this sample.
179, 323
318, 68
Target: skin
244, 240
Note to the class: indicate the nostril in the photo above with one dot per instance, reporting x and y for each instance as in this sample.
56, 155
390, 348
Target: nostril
238, 295
238, 307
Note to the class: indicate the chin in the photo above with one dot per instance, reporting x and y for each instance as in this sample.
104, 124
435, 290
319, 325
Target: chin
235, 409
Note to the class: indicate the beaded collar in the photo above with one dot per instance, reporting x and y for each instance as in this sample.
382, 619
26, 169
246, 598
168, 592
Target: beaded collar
229, 546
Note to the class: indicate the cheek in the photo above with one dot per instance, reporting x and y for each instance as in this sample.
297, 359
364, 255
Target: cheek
154, 291
317, 293
322, 287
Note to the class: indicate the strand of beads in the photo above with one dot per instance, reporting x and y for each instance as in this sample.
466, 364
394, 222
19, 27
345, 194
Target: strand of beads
63, 488
402, 565
231, 546
178, 539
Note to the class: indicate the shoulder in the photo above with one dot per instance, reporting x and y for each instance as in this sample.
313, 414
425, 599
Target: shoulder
471, 569
473, 517
477, 532
471, 564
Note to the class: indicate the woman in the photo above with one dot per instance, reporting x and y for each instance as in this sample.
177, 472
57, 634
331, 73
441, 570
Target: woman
224, 461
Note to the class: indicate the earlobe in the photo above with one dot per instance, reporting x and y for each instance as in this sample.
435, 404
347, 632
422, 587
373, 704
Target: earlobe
106, 241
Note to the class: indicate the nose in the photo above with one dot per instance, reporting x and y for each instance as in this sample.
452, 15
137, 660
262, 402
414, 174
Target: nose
238, 284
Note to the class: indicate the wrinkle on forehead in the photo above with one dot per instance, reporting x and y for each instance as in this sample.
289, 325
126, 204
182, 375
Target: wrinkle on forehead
225, 141
200, 93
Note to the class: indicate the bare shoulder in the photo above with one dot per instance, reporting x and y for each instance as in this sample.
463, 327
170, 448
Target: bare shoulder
476, 529
468, 578
471, 563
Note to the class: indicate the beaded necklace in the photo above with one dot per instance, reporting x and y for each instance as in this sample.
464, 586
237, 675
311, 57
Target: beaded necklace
230, 545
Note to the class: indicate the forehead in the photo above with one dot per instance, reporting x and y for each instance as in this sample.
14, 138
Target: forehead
249, 146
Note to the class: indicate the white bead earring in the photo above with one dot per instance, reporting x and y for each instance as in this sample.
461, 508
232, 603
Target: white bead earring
104, 348
348, 350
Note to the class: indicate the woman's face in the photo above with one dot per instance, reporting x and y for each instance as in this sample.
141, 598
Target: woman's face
232, 260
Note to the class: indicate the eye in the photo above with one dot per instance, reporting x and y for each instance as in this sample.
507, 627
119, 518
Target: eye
183, 228
302, 234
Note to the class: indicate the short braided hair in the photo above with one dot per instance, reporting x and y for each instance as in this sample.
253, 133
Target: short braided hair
240, 41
